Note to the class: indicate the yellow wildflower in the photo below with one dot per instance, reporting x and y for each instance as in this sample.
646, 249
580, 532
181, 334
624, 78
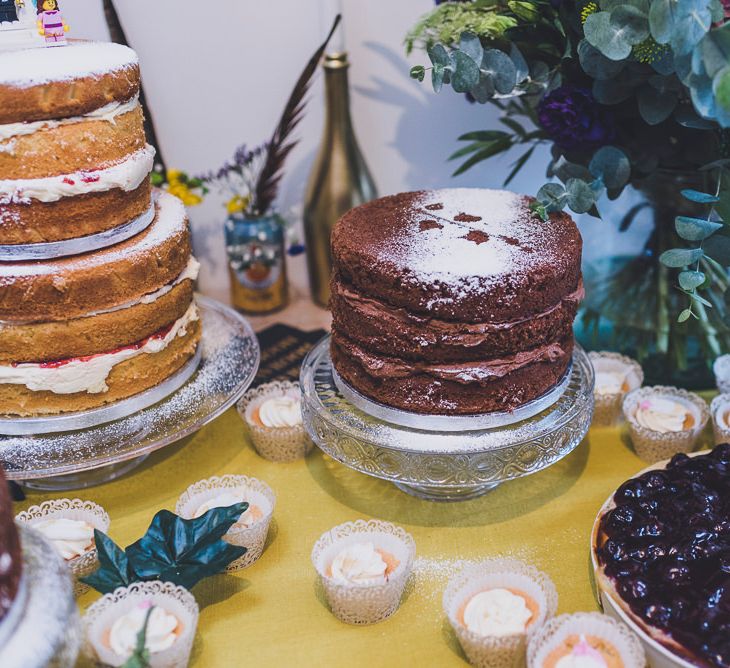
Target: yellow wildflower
588, 9
174, 176
237, 204
183, 192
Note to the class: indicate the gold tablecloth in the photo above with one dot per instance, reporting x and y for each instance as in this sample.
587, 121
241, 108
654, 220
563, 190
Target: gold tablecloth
274, 614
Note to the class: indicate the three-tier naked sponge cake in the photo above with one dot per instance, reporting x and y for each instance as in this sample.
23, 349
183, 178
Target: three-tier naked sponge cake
456, 301
83, 330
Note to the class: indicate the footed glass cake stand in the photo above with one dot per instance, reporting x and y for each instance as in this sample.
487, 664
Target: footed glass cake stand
82, 457
443, 464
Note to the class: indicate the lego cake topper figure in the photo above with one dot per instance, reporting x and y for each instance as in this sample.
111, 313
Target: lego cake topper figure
9, 10
51, 25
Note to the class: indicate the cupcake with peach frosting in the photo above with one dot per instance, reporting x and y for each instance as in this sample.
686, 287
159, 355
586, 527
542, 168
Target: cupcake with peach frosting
664, 421
273, 414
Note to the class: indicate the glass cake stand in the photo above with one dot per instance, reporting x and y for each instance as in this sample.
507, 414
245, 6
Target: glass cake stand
443, 465
85, 457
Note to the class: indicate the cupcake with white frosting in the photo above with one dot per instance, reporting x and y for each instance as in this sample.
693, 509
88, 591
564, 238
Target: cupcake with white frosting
721, 368
364, 567
615, 376
252, 527
585, 640
495, 606
720, 412
69, 525
273, 413
664, 421
112, 623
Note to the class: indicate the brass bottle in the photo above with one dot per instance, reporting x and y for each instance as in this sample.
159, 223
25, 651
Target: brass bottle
339, 180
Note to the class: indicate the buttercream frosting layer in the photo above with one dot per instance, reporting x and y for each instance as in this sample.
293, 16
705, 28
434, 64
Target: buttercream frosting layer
89, 374
396, 331
459, 389
127, 175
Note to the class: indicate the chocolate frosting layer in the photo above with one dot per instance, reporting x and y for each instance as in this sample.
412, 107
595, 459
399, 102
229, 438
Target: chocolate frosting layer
395, 331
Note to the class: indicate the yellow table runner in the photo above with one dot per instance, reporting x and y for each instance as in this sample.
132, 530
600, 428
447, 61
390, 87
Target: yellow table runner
274, 614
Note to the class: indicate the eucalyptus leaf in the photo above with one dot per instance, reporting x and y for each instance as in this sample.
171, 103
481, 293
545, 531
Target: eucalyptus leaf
692, 20
552, 196
595, 64
437, 77
662, 19
470, 45
721, 88
698, 298
632, 22
695, 229
438, 55
684, 315
522, 70
655, 106
418, 72
465, 72
680, 257
611, 91
500, 67
484, 89
580, 195
611, 165
609, 39
699, 197
715, 49
690, 280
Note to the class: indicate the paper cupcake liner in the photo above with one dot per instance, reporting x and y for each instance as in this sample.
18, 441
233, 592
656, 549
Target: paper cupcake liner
720, 407
365, 604
502, 651
277, 444
554, 633
175, 599
721, 368
653, 446
254, 491
607, 409
72, 509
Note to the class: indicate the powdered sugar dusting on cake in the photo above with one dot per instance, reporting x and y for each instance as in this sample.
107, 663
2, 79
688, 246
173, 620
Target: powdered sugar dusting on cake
31, 67
169, 222
460, 237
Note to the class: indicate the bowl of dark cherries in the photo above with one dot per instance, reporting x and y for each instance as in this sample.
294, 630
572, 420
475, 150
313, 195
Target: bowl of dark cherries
661, 555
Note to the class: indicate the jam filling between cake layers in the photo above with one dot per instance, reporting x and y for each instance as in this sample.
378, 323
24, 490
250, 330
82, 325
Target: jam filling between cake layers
666, 547
89, 373
127, 174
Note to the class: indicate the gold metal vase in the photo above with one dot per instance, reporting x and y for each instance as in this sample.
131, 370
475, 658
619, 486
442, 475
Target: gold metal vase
340, 179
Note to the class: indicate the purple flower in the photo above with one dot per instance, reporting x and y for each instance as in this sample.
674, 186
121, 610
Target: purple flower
573, 119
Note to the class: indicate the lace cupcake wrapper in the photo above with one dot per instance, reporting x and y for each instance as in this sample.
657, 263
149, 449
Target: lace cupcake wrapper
498, 651
255, 492
555, 632
277, 444
607, 410
72, 509
174, 599
654, 446
365, 604
719, 408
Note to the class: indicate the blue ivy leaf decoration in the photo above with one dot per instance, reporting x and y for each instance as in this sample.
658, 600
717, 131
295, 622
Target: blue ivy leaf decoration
173, 550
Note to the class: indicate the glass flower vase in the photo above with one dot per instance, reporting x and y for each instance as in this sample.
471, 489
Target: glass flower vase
633, 301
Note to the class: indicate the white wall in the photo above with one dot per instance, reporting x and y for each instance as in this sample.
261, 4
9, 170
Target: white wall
216, 80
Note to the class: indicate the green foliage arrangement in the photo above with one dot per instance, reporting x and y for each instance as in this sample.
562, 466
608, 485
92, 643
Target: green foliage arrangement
621, 91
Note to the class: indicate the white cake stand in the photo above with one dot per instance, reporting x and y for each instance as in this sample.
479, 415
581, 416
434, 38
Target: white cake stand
89, 456
443, 465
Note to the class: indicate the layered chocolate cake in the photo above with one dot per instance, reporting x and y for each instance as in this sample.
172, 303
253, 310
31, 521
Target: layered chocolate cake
453, 301
11, 563
80, 331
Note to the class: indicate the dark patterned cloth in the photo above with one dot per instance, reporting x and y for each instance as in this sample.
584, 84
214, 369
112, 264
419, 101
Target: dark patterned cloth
282, 350
8, 11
